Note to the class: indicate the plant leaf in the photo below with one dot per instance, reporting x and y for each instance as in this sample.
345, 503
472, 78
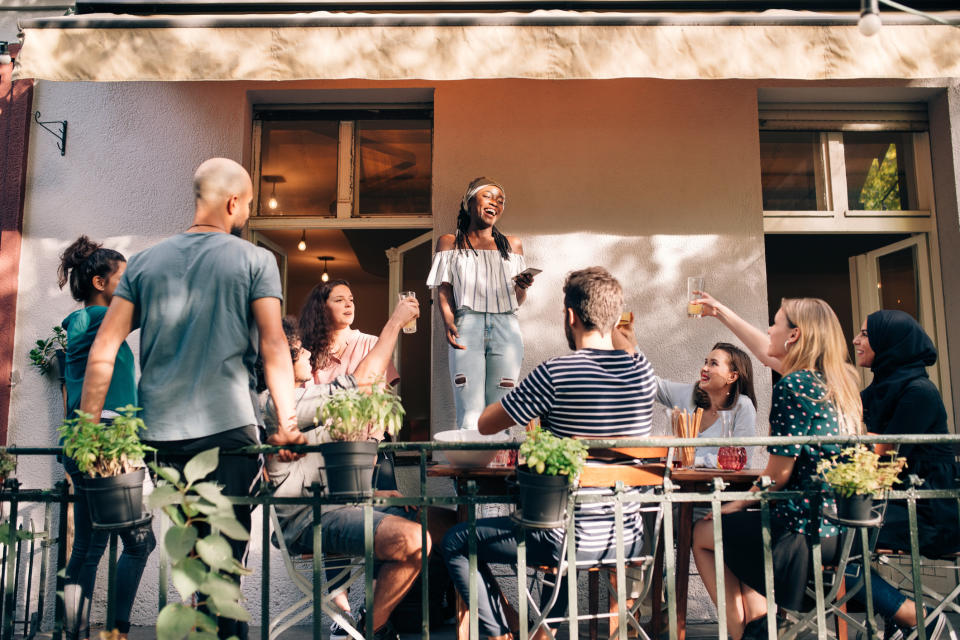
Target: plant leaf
213, 493
163, 495
202, 635
206, 623
179, 541
216, 552
188, 575
220, 587
169, 474
229, 526
201, 465
175, 622
226, 608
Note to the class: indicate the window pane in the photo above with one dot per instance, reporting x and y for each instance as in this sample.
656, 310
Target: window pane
393, 166
898, 281
299, 168
788, 170
877, 168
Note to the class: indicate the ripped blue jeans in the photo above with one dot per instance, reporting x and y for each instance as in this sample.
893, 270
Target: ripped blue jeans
488, 368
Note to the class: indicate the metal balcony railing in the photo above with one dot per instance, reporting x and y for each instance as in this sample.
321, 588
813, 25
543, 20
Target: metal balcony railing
25, 588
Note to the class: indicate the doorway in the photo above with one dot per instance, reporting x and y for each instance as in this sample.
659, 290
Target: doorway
360, 256
857, 274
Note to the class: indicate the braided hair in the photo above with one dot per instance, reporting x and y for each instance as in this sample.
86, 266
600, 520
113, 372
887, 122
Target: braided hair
81, 262
463, 220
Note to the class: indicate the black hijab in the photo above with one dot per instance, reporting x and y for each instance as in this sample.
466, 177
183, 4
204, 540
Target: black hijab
902, 351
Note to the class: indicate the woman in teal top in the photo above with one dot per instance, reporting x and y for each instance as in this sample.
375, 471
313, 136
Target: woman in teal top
817, 395
93, 273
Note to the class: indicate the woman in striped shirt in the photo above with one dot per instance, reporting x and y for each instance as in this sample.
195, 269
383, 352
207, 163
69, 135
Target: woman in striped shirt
480, 287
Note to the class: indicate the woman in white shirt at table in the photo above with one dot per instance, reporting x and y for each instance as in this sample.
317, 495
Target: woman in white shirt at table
725, 389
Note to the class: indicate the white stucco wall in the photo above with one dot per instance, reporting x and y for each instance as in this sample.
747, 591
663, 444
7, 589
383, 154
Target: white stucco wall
654, 180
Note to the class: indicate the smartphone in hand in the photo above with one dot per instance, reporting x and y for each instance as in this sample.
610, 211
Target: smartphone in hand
529, 271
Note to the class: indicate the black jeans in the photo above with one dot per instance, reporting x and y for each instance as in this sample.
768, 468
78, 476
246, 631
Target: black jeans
85, 555
238, 475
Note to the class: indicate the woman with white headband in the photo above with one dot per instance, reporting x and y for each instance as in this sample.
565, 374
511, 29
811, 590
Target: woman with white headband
480, 286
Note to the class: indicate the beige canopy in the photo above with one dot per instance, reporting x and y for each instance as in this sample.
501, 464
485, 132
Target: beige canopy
539, 45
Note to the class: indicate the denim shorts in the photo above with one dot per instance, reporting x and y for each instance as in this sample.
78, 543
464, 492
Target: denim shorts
342, 531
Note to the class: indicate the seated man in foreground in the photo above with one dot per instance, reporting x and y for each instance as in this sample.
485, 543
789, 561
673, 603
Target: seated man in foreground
396, 537
597, 391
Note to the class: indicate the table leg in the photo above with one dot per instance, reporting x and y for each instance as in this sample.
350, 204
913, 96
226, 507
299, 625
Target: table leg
684, 543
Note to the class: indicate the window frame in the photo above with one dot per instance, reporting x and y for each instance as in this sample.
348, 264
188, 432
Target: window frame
831, 122
347, 115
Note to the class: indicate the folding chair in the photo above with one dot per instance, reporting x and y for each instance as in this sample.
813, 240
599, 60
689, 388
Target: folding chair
300, 571
831, 583
624, 479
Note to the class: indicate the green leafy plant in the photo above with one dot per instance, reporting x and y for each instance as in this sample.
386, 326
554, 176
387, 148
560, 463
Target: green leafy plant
105, 450
859, 471
551, 455
352, 415
41, 356
200, 565
8, 464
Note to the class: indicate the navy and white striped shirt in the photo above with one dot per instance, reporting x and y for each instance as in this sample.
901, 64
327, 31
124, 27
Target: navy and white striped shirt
591, 393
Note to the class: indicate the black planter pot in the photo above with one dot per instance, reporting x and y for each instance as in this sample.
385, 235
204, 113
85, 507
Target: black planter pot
347, 468
115, 502
856, 507
543, 498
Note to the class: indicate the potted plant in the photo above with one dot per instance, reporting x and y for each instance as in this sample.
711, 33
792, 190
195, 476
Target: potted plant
857, 475
355, 421
202, 519
53, 348
110, 455
8, 464
552, 468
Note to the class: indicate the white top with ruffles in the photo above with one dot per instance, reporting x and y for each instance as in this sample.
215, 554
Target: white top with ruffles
482, 280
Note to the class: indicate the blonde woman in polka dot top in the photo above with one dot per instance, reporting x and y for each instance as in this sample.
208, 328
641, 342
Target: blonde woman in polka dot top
817, 395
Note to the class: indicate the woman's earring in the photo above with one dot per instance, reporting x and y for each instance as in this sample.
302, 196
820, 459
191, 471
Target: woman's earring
786, 345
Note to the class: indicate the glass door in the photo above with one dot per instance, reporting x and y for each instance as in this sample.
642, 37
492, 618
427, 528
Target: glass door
897, 276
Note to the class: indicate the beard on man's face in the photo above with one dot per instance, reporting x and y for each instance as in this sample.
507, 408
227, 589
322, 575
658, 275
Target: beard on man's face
568, 332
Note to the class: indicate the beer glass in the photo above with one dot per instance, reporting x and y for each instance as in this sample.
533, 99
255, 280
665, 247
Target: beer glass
694, 287
410, 327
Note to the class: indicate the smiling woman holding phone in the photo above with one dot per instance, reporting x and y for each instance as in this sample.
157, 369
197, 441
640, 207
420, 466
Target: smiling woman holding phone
481, 280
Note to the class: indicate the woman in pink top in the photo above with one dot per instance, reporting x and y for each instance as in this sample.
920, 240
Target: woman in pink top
336, 348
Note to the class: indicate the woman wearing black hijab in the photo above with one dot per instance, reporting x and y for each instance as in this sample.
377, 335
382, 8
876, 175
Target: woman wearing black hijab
902, 400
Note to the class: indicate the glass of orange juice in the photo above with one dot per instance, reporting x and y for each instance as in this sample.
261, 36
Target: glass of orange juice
694, 287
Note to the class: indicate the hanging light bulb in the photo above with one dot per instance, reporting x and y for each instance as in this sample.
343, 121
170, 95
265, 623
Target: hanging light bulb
272, 202
324, 277
870, 22
302, 245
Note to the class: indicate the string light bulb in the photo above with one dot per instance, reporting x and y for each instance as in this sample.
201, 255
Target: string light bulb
870, 22
302, 245
272, 202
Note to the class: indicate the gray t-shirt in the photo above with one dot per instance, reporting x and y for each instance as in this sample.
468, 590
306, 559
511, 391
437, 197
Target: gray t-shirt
198, 337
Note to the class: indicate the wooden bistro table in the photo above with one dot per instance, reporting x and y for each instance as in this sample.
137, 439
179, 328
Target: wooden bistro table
688, 479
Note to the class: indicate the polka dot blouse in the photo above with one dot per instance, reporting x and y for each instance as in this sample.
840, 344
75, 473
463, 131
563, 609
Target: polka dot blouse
799, 409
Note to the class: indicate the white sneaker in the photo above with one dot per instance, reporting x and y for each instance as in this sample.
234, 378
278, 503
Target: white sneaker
336, 631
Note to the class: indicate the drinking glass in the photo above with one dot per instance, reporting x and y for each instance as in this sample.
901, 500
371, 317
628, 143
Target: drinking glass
410, 327
730, 458
694, 287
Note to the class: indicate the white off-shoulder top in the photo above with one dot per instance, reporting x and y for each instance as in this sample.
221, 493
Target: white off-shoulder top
482, 280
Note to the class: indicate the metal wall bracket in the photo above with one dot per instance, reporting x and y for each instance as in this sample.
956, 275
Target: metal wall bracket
61, 135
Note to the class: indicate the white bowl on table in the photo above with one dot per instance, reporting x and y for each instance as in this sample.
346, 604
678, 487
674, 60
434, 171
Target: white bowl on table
464, 458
